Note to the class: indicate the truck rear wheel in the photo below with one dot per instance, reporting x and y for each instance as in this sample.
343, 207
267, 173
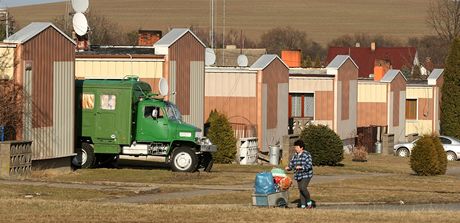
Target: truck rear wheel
184, 160
88, 159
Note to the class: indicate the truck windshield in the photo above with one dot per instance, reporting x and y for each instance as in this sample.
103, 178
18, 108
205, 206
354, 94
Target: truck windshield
173, 112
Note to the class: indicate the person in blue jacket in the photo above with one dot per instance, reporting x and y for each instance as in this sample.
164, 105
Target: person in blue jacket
302, 165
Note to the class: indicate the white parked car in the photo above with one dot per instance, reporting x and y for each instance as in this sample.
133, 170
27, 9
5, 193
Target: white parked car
451, 146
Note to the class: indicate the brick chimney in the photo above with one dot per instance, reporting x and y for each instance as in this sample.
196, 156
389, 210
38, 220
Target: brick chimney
293, 58
148, 37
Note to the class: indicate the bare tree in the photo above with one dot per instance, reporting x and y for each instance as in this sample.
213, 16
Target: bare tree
288, 38
444, 18
364, 40
10, 107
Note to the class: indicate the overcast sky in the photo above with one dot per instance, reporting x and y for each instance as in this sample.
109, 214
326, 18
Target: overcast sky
14, 3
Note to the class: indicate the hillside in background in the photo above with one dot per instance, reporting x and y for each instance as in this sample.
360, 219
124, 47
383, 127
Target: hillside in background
322, 20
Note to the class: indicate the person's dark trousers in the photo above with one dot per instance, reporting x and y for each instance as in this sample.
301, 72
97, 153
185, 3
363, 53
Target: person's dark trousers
304, 194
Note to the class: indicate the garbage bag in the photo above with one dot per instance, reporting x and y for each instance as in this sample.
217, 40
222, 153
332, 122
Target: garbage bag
264, 183
278, 172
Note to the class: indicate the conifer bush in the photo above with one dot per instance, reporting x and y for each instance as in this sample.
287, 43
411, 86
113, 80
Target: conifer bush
425, 159
221, 134
442, 157
324, 145
450, 91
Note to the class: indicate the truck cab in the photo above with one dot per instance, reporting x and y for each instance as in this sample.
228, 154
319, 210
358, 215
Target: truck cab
123, 117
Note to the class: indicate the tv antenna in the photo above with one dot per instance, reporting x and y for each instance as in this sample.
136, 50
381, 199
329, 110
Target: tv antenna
79, 21
242, 60
210, 57
163, 87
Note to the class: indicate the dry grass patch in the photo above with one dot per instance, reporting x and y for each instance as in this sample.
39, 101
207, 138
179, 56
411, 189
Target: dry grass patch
67, 211
58, 194
388, 189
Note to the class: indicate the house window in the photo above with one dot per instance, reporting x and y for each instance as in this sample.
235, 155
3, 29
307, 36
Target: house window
87, 101
108, 102
411, 109
303, 105
296, 105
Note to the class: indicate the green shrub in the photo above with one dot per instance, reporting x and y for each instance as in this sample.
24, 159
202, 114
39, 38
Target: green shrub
442, 157
424, 160
221, 134
324, 145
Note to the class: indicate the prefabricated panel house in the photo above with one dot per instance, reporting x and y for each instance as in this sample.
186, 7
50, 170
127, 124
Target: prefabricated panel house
423, 104
44, 59
253, 98
325, 96
382, 103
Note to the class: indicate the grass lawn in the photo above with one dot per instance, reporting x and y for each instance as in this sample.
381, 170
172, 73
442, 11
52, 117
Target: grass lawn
21, 210
381, 179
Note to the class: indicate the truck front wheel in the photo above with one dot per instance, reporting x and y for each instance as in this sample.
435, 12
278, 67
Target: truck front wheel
184, 160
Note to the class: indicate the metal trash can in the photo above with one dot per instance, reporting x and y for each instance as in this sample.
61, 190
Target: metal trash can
378, 147
274, 155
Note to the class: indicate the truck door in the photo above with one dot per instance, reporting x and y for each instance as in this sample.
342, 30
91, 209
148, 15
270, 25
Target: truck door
106, 121
152, 125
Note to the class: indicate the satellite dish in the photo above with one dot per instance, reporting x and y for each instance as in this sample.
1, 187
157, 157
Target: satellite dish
242, 60
80, 5
210, 57
80, 24
163, 87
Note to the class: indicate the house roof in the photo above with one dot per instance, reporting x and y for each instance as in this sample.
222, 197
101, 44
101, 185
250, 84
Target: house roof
307, 71
435, 74
338, 61
228, 57
31, 30
391, 75
172, 36
365, 58
118, 50
264, 61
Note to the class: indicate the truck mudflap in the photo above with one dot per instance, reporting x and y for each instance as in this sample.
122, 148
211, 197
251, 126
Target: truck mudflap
208, 148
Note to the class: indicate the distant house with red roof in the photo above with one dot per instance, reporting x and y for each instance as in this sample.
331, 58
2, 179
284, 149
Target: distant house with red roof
377, 60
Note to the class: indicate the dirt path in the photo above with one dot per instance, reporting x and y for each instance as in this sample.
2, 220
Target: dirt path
148, 193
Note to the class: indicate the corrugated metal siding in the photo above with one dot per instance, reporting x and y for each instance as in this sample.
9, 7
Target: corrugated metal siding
230, 84
43, 51
397, 87
419, 92
347, 74
172, 82
238, 109
27, 116
262, 126
185, 51
273, 75
372, 113
310, 84
196, 94
324, 105
372, 92
64, 108
153, 82
400, 130
118, 68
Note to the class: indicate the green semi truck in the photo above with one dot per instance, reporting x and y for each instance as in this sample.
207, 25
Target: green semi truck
124, 117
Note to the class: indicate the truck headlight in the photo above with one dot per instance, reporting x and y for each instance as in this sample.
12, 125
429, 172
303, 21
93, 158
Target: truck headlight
203, 141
